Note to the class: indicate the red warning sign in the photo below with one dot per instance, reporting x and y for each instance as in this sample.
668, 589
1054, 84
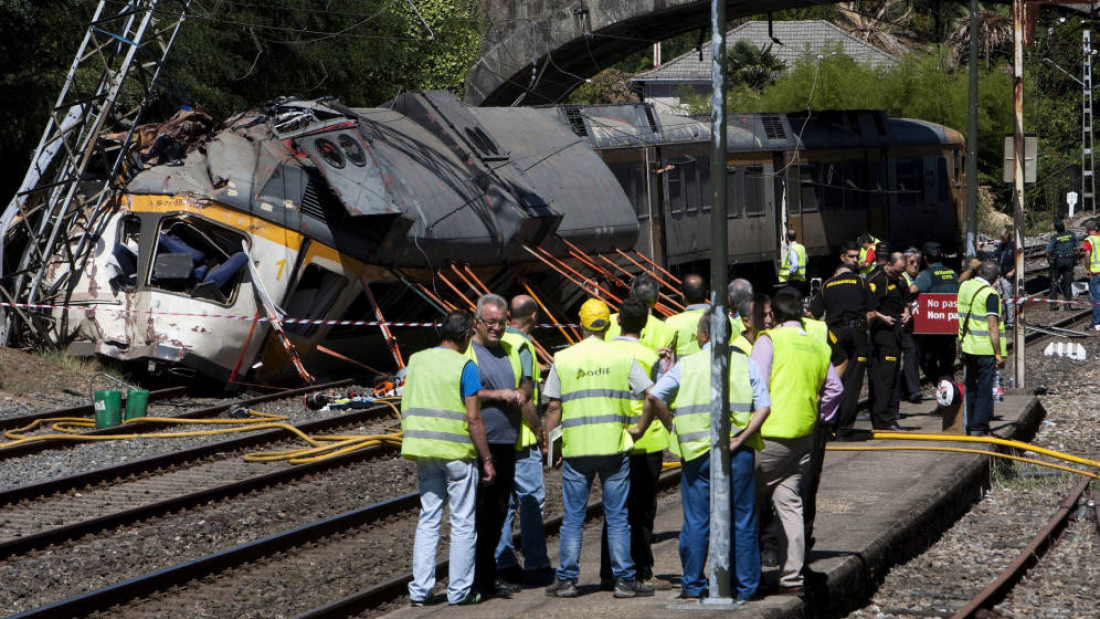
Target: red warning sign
936, 314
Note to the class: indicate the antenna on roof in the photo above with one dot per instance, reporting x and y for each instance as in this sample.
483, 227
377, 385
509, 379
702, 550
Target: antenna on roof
771, 35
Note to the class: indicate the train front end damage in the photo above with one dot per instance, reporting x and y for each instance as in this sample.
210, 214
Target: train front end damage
296, 211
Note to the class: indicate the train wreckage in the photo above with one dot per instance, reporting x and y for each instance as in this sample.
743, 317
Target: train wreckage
278, 242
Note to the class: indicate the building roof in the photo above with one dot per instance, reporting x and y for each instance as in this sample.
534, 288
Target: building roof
798, 38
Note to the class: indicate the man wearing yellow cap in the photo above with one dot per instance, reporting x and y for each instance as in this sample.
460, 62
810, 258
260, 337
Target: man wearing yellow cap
590, 386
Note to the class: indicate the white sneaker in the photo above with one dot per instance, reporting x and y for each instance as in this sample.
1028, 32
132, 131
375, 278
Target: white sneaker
1096, 327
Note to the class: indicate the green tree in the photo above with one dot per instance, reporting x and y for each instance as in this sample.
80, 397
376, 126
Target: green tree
752, 66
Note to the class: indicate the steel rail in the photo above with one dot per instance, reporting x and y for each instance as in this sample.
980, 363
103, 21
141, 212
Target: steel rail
37, 446
1027, 558
176, 458
82, 410
396, 587
177, 575
58, 535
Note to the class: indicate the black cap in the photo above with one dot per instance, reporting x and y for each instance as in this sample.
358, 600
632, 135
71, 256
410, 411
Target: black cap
882, 249
932, 247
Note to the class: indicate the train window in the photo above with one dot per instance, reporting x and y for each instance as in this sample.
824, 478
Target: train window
675, 184
830, 187
807, 175
352, 149
198, 258
630, 178
704, 183
313, 298
123, 268
855, 180
754, 191
910, 180
735, 193
943, 194
329, 153
690, 176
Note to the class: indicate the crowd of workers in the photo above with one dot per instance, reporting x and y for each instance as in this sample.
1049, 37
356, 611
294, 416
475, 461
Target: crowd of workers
636, 386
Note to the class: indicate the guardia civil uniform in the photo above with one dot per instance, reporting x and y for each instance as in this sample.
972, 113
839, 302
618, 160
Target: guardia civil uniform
976, 301
437, 438
686, 389
596, 383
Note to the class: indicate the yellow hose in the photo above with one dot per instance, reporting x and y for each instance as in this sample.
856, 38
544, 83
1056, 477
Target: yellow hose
961, 450
906, 436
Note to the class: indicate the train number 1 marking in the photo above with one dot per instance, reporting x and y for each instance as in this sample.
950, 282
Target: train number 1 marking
279, 273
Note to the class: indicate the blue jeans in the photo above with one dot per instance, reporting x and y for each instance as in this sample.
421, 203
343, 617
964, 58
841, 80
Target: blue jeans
1094, 297
530, 495
456, 481
745, 545
980, 372
576, 481
695, 534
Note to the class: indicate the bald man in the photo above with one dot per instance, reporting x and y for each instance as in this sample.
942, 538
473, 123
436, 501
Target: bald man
529, 492
685, 324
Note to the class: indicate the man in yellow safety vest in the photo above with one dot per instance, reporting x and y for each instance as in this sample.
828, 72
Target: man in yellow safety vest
590, 387
1092, 267
686, 389
444, 434
792, 271
656, 334
982, 336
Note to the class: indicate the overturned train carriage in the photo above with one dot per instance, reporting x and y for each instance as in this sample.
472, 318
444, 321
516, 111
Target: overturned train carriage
316, 211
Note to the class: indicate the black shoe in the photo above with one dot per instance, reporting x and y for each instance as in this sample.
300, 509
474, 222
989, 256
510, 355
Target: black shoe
632, 589
563, 589
684, 595
538, 578
916, 398
506, 588
512, 574
769, 557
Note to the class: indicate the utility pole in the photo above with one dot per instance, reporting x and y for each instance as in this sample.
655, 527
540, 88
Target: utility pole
1088, 180
1018, 179
971, 240
719, 571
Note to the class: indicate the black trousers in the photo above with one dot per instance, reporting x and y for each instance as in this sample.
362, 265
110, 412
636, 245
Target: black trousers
641, 511
937, 356
1061, 280
853, 341
489, 513
909, 372
884, 376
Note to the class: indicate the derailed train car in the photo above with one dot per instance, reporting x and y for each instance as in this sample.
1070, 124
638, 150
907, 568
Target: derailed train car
316, 211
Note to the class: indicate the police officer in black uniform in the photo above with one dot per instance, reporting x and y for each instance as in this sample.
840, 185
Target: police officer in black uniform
889, 307
844, 301
1062, 256
937, 351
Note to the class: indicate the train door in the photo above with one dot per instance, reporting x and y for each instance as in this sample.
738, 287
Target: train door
754, 218
633, 168
322, 286
686, 187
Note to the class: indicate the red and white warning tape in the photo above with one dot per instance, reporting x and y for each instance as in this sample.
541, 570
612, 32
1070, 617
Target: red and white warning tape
260, 319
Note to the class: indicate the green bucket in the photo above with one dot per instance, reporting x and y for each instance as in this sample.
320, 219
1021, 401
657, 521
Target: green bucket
137, 401
108, 408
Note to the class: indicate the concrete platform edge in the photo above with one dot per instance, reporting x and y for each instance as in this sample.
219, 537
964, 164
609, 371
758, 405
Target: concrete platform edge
847, 586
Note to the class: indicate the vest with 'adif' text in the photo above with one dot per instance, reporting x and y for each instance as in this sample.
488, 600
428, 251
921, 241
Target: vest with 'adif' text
595, 398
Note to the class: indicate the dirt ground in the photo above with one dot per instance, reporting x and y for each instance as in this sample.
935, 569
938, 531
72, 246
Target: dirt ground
24, 374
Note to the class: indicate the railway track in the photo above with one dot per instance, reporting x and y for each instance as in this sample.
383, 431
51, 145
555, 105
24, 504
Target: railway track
49, 513
23, 449
324, 561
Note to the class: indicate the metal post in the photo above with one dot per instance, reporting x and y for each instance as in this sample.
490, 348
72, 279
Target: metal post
1018, 178
1088, 182
719, 572
972, 139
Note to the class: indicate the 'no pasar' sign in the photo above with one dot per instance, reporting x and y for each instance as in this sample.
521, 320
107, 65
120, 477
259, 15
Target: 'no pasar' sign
936, 314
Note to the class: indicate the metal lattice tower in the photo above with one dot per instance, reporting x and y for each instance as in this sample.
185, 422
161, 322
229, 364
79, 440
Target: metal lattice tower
52, 223
1088, 179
